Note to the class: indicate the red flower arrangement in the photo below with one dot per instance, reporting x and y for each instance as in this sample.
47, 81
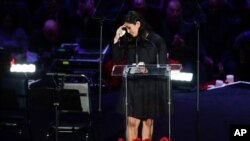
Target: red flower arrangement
165, 139
138, 139
120, 139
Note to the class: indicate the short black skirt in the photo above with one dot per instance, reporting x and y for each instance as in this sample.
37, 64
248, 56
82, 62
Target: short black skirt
147, 96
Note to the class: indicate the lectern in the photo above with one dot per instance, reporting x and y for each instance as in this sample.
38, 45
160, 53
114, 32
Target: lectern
156, 71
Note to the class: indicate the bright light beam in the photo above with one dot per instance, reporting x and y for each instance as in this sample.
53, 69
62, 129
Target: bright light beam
23, 68
181, 76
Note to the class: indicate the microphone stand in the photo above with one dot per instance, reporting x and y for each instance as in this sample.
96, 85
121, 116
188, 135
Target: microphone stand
197, 25
136, 52
201, 18
56, 103
28, 105
102, 17
100, 66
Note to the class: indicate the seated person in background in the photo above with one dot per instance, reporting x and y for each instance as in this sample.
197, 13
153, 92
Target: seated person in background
12, 38
44, 42
151, 10
83, 23
52, 9
242, 49
217, 35
179, 36
22, 12
85, 28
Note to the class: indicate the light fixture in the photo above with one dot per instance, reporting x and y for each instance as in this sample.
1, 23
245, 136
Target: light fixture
181, 76
23, 68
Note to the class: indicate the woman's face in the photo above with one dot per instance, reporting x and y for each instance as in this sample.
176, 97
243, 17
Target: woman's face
174, 11
133, 29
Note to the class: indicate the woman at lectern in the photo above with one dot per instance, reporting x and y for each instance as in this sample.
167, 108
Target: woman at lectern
146, 96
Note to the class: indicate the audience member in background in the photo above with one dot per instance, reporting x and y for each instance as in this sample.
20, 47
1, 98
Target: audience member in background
192, 11
13, 38
21, 10
32, 5
242, 14
87, 19
51, 9
85, 28
217, 36
180, 36
242, 51
151, 10
44, 42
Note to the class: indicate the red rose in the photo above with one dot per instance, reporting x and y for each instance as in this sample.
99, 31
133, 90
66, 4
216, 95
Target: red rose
120, 139
137, 139
164, 139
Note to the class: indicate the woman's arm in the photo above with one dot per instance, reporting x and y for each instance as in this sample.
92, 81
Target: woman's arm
117, 48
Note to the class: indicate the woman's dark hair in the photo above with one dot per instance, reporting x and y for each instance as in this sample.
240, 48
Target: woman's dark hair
132, 17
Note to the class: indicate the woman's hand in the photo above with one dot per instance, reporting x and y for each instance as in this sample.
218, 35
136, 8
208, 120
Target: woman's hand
141, 68
119, 33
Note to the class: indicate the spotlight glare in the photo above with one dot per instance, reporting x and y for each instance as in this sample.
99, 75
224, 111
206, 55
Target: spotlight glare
181, 76
23, 68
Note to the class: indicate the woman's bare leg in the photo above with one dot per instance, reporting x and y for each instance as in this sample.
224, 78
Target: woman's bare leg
147, 129
132, 128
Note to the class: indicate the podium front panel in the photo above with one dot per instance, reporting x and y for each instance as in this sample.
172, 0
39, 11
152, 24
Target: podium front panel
152, 69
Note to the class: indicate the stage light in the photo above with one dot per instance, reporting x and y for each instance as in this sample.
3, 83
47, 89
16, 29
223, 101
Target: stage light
181, 76
23, 68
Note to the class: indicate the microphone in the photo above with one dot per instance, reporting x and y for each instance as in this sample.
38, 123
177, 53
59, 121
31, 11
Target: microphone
136, 53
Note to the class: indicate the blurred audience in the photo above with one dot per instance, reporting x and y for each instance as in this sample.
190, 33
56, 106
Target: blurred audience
42, 25
192, 11
33, 5
151, 10
242, 51
13, 38
87, 20
180, 36
217, 36
85, 28
242, 14
21, 10
44, 42
52, 9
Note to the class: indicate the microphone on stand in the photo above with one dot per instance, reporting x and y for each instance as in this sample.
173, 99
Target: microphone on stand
136, 54
157, 53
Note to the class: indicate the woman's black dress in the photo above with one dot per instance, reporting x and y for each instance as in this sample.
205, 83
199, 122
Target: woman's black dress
147, 95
